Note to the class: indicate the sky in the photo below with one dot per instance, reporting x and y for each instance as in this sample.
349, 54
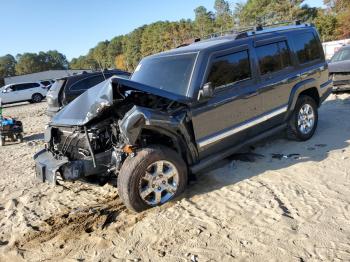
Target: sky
72, 27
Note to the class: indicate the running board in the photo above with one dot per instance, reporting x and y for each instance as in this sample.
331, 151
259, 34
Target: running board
206, 162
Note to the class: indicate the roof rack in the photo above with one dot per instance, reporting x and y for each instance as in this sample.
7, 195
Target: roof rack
260, 28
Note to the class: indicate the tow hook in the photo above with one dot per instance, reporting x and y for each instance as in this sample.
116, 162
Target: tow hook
130, 150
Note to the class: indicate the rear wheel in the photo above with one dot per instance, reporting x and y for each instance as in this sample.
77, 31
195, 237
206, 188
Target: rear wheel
19, 138
2, 141
303, 122
151, 178
36, 98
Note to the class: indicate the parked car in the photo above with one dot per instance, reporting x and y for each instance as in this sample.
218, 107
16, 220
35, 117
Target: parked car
185, 109
32, 92
339, 69
66, 89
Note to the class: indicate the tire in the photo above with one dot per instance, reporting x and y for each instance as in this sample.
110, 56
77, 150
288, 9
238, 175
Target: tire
12, 138
132, 180
37, 98
19, 138
2, 141
298, 131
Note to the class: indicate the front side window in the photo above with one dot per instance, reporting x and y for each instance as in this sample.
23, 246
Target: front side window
273, 57
170, 73
307, 47
20, 87
229, 69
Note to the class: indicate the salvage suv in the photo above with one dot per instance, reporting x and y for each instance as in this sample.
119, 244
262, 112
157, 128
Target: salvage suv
187, 108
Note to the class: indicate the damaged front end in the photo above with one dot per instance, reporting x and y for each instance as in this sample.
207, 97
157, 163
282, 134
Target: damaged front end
92, 136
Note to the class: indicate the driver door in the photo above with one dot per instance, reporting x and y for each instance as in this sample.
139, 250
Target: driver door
224, 119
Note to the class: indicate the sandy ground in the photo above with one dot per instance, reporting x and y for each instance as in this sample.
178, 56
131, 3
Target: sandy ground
282, 201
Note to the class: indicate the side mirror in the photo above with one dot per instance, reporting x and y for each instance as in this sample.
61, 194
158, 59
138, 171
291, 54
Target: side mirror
207, 90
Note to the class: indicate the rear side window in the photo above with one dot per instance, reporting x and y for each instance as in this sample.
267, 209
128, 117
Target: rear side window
32, 85
229, 69
87, 83
307, 47
273, 57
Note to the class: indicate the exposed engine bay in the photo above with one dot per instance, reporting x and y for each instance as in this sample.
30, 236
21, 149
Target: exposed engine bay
109, 132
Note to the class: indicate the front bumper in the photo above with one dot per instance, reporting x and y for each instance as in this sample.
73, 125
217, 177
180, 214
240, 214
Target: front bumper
341, 81
341, 87
48, 168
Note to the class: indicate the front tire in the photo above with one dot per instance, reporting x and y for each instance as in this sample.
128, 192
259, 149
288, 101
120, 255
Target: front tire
304, 119
151, 178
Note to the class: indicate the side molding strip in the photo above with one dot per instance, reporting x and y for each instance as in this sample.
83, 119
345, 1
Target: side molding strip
237, 129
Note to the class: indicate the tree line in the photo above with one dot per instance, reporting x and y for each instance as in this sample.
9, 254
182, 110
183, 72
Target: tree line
27, 63
125, 51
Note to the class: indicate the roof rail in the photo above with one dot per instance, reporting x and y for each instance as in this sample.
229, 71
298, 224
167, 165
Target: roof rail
241, 32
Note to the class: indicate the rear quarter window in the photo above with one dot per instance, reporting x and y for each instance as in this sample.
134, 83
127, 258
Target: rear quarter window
307, 47
46, 83
273, 57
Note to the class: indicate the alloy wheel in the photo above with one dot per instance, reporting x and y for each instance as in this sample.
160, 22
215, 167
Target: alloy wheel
306, 119
159, 183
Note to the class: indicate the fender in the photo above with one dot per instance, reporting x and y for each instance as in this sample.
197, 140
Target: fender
297, 90
140, 118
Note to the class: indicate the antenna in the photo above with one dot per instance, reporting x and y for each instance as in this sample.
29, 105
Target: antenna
98, 61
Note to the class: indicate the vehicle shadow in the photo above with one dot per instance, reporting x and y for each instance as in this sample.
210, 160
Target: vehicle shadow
34, 137
15, 104
276, 153
20, 104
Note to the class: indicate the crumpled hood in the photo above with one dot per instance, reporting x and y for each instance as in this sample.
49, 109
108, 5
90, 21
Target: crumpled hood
339, 67
91, 103
85, 107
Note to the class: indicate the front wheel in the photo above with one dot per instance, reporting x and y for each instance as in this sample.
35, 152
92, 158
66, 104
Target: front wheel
151, 178
303, 122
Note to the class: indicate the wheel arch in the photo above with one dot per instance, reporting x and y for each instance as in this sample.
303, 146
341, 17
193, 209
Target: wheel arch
146, 126
307, 87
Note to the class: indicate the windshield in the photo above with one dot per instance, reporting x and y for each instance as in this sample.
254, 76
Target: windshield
170, 73
342, 55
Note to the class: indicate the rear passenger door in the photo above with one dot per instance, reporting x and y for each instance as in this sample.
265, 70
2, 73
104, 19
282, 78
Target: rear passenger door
277, 78
27, 90
224, 119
